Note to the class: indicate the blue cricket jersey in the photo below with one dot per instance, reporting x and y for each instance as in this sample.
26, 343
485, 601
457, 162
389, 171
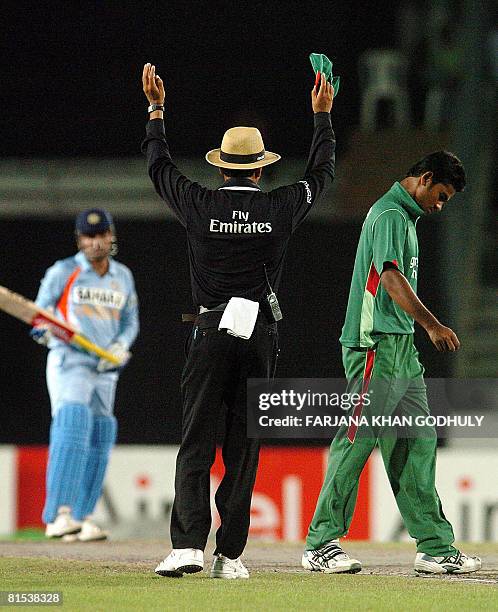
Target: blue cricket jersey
102, 308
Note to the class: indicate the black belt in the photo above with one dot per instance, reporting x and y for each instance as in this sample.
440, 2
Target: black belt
213, 315
219, 308
190, 317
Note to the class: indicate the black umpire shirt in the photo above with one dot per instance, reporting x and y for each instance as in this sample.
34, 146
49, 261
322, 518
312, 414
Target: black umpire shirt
236, 231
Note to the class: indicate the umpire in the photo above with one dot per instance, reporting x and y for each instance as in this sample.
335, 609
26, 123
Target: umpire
237, 239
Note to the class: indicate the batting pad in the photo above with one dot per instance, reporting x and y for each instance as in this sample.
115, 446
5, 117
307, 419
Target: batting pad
68, 453
103, 438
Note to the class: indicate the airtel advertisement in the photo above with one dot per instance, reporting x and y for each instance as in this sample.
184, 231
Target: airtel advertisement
139, 493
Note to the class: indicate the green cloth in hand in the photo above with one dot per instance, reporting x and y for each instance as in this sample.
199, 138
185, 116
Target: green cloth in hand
322, 64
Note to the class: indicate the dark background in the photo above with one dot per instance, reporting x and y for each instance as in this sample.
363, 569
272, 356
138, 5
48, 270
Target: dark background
72, 71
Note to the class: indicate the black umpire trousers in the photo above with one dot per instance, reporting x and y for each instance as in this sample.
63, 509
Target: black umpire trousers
216, 372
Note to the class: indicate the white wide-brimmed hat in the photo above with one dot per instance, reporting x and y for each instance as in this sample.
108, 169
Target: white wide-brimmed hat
242, 148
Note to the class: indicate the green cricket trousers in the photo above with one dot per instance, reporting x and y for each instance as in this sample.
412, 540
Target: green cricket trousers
393, 377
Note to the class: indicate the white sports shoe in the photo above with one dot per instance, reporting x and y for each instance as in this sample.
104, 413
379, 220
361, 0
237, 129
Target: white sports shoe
181, 561
64, 524
223, 567
330, 559
90, 532
452, 564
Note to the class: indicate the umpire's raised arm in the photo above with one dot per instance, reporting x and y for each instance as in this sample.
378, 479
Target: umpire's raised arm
181, 194
320, 168
169, 183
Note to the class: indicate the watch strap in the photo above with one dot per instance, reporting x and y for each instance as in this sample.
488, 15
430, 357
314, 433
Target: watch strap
155, 107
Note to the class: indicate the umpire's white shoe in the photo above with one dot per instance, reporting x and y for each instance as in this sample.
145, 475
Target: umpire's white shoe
452, 564
64, 524
90, 532
330, 559
181, 561
223, 567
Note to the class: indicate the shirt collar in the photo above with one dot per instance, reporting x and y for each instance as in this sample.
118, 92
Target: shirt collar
86, 266
405, 199
242, 183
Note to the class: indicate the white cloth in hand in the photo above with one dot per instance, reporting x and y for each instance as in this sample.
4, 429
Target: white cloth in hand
239, 317
120, 351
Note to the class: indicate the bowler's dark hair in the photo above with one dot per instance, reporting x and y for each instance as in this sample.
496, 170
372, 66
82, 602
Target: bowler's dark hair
446, 168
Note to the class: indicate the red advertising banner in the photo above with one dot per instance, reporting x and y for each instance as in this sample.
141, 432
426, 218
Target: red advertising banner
286, 490
31, 467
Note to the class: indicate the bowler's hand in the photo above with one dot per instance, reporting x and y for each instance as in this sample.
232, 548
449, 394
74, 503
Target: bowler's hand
443, 338
152, 85
323, 100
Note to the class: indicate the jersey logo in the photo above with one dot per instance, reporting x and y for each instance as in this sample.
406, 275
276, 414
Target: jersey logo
239, 225
414, 267
96, 296
308, 191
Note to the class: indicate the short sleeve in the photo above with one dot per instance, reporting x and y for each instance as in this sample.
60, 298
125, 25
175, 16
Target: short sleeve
389, 231
52, 286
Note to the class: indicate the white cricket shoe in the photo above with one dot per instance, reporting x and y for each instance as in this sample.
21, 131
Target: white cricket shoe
330, 559
452, 564
64, 524
223, 567
90, 532
181, 561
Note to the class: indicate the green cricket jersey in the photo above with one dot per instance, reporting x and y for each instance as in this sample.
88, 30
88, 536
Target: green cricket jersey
388, 235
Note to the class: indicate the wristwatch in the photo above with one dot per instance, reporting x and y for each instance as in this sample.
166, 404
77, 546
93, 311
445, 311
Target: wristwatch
155, 107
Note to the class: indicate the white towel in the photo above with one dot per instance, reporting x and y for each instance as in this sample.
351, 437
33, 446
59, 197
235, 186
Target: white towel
239, 317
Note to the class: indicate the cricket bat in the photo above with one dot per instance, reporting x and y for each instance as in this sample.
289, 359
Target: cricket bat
27, 311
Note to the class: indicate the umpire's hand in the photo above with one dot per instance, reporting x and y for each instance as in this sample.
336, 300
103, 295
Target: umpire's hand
152, 85
322, 101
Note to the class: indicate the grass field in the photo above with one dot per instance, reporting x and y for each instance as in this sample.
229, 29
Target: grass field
107, 584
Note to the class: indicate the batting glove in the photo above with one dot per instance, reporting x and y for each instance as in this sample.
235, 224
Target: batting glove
120, 351
41, 334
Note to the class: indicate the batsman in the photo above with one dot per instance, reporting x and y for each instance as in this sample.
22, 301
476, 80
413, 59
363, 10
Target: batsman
96, 294
380, 358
